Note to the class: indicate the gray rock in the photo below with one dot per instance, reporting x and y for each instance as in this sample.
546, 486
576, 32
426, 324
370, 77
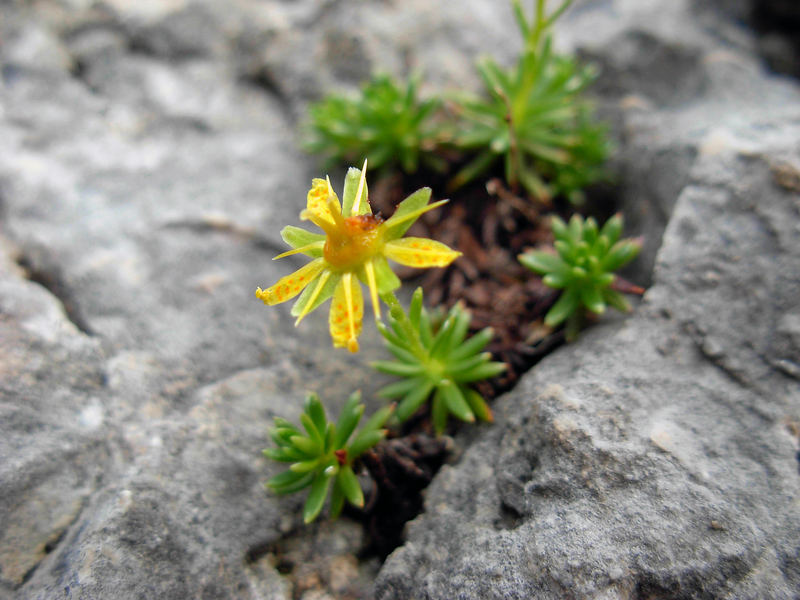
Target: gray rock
657, 457
147, 162
143, 186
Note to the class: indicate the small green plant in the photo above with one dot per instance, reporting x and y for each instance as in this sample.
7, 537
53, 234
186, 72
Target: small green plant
436, 360
322, 455
353, 248
583, 266
387, 123
535, 118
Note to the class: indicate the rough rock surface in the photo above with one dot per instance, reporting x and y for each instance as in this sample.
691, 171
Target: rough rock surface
657, 457
147, 163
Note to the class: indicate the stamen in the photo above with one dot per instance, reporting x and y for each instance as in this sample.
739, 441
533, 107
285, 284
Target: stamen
313, 245
360, 189
373, 289
323, 279
348, 295
415, 213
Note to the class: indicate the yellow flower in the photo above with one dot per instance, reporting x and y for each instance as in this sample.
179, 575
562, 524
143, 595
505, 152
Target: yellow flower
354, 247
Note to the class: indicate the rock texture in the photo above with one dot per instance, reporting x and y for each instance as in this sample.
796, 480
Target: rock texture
657, 457
147, 162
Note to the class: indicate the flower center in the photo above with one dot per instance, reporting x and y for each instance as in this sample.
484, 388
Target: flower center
354, 243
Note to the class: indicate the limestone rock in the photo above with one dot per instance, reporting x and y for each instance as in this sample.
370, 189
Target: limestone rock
148, 158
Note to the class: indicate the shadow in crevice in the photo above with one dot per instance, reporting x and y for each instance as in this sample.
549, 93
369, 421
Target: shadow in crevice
40, 268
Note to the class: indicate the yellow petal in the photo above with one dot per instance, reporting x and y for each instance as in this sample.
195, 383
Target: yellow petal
317, 210
310, 304
288, 287
347, 312
419, 252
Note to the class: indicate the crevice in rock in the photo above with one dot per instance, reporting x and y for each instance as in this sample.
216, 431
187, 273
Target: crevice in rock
263, 79
78, 70
220, 224
509, 518
55, 541
778, 25
402, 468
715, 356
639, 52
39, 269
213, 225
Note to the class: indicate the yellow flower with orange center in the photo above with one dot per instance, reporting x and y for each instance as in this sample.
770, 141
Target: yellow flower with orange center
354, 247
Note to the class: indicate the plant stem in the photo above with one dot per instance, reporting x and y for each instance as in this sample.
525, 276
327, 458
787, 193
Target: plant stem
399, 314
539, 23
558, 12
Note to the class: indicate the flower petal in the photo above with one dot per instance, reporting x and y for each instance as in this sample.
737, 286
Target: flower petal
355, 188
386, 279
297, 237
314, 295
317, 210
291, 285
304, 304
420, 252
408, 211
347, 312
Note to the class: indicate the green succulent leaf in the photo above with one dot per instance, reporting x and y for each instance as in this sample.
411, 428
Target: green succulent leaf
398, 368
592, 299
284, 454
477, 404
473, 345
584, 268
316, 497
285, 479
337, 500
455, 401
616, 300
348, 481
400, 388
544, 262
568, 303
438, 413
414, 399
612, 228
533, 117
387, 122
487, 370
621, 254
364, 441
306, 445
326, 454
348, 419
436, 363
